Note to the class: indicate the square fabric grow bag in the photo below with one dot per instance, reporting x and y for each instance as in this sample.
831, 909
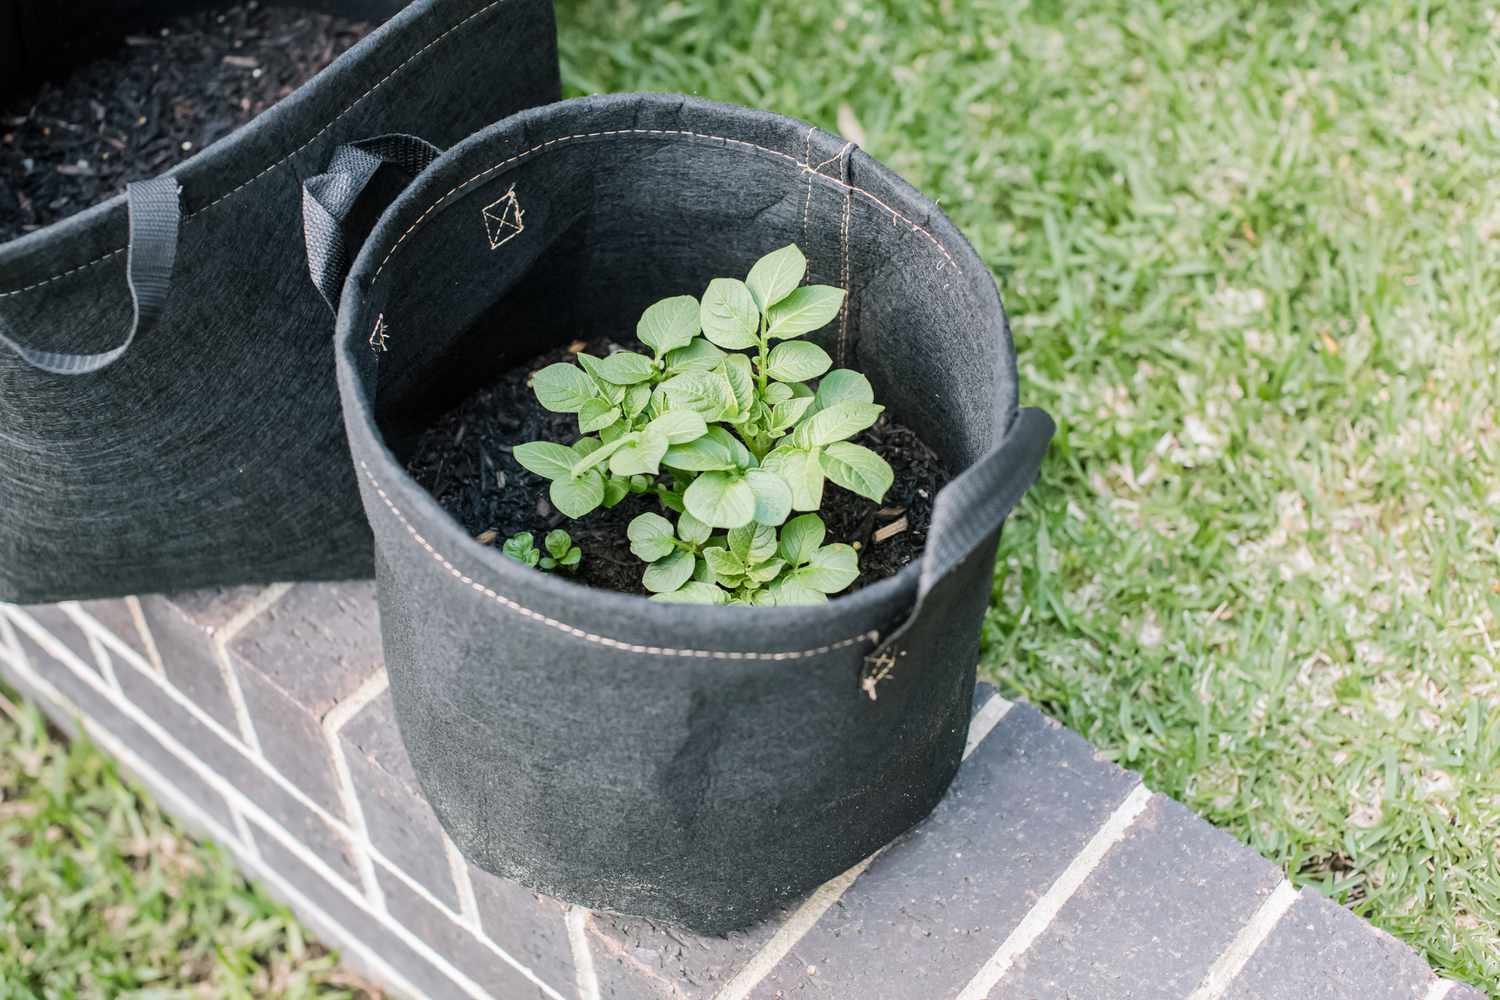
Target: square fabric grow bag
694, 764
168, 416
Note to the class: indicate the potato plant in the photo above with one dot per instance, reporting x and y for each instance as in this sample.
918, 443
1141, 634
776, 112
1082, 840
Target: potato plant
557, 552
735, 424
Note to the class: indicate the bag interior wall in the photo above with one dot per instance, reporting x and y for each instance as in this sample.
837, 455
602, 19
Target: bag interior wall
611, 226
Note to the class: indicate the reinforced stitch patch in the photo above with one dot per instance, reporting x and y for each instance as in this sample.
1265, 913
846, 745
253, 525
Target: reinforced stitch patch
503, 219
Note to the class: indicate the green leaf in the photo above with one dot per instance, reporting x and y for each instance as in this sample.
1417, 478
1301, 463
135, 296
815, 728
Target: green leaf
625, 368
726, 566
669, 324
773, 496
637, 398
777, 392
729, 315
641, 456
786, 413
843, 385
707, 394
692, 530
766, 571
590, 453
857, 469
774, 276
596, 415
806, 309
563, 388
572, 558
521, 548
800, 538
546, 459
699, 356
668, 574
615, 490
720, 499
838, 422
678, 426
702, 455
790, 592
575, 497
802, 472
558, 542
737, 372
831, 569
650, 537
797, 361
753, 543
693, 593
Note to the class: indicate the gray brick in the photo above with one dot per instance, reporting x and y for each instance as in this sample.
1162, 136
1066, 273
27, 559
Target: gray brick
461, 946
1152, 918
1321, 951
318, 643
937, 904
115, 616
62, 627
529, 926
1462, 991
184, 638
210, 610
235, 764
401, 824
634, 957
104, 709
309, 650
374, 734
355, 920
291, 737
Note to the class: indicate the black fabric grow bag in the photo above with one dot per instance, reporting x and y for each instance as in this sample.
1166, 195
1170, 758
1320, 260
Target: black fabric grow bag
694, 764
208, 450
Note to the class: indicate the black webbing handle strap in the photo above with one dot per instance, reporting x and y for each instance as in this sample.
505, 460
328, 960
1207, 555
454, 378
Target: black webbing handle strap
332, 198
151, 255
966, 513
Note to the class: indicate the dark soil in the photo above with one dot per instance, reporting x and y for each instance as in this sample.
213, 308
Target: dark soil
464, 460
161, 97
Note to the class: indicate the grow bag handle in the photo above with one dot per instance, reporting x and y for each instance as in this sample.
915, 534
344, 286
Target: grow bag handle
335, 206
966, 513
150, 255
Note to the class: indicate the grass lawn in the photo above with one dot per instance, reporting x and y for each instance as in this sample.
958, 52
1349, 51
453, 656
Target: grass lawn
1251, 252
101, 895
1252, 257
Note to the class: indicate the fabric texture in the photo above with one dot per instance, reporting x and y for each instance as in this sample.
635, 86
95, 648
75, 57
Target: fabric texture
699, 765
211, 452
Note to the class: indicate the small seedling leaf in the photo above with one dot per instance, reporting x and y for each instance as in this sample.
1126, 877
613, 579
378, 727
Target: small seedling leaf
806, 309
669, 325
774, 276
563, 388
729, 315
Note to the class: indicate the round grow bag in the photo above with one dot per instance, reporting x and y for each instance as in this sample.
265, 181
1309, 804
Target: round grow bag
168, 415
694, 764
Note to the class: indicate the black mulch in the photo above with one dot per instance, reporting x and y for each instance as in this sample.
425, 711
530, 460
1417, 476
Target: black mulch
160, 97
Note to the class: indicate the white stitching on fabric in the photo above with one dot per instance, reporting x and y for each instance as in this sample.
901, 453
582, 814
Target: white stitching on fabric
578, 633
844, 277
497, 223
383, 81
683, 133
806, 164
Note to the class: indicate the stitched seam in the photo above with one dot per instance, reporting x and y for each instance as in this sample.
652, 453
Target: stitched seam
844, 278
807, 203
228, 194
578, 633
674, 133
